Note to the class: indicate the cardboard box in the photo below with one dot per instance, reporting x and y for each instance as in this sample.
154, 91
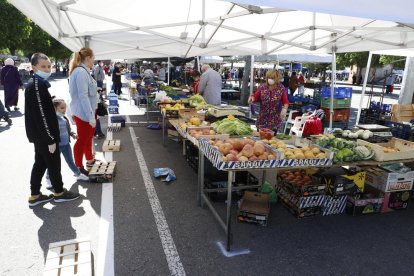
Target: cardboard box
254, 208
389, 181
369, 202
395, 201
339, 181
334, 205
301, 207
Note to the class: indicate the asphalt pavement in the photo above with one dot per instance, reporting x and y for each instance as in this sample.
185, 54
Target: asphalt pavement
332, 245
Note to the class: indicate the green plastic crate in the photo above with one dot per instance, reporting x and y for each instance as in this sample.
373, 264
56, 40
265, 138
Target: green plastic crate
337, 103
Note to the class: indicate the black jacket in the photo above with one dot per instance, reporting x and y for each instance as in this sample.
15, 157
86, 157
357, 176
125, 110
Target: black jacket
40, 116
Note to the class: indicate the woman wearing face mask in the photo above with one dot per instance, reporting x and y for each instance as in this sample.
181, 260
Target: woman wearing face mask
273, 102
196, 76
83, 104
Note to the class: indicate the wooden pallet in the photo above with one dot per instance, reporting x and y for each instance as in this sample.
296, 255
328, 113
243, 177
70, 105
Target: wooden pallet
102, 172
114, 127
111, 145
67, 258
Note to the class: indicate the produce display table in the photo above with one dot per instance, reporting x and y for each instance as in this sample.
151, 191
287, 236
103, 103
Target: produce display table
204, 151
207, 151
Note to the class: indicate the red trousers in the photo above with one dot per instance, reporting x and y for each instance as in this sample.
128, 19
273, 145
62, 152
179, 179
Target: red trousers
83, 145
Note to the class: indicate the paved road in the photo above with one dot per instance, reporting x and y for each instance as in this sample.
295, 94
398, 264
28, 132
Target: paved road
335, 245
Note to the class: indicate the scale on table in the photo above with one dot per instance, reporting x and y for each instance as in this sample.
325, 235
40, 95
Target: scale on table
377, 130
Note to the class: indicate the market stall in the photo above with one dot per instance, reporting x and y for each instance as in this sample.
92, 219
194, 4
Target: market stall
306, 183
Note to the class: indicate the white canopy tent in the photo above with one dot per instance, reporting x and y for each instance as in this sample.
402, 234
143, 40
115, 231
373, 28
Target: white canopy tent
208, 27
167, 28
299, 58
211, 59
409, 52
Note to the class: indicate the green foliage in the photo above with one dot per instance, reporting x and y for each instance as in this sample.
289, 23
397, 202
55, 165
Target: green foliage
15, 27
18, 32
396, 61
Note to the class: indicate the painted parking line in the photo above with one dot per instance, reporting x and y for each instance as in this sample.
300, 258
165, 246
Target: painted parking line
173, 259
105, 262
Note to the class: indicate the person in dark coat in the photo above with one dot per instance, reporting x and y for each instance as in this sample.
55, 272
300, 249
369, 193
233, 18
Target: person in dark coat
42, 129
11, 81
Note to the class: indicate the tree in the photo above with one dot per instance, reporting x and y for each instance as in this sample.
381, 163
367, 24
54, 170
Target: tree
15, 27
396, 62
40, 41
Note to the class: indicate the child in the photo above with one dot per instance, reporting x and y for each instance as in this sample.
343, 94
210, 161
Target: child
42, 130
64, 144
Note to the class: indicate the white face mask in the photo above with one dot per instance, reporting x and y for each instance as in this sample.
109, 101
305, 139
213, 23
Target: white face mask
271, 81
101, 64
43, 75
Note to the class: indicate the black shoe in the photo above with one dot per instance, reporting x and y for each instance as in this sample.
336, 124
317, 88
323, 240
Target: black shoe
16, 108
8, 108
82, 170
40, 199
100, 136
66, 196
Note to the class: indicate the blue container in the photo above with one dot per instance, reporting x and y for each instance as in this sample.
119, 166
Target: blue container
113, 109
113, 102
118, 119
339, 92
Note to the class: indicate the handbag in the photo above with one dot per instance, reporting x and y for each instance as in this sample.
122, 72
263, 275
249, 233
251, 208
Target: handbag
102, 109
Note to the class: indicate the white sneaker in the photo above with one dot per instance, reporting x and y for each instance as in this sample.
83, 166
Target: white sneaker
82, 177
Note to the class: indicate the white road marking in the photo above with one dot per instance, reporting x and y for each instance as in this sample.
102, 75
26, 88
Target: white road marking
105, 263
170, 251
232, 253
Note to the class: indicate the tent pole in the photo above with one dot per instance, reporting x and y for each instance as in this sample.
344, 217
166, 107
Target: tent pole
198, 64
203, 17
251, 81
364, 86
333, 80
168, 70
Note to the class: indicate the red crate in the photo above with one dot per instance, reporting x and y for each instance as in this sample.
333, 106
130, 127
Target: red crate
338, 115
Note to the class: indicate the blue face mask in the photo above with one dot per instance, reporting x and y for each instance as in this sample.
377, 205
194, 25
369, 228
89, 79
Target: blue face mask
43, 75
60, 114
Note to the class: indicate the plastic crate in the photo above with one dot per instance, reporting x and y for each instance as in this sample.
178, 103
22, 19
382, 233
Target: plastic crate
341, 125
339, 92
337, 103
399, 130
338, 115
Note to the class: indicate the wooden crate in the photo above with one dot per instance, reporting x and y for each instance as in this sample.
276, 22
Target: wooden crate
102, 172
114, 127
67, 258
406, 149
111, 145
187, 113
402, 112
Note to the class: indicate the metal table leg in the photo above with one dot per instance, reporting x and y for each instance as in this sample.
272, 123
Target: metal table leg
263, 177
163, 130
228, 217
200, 177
